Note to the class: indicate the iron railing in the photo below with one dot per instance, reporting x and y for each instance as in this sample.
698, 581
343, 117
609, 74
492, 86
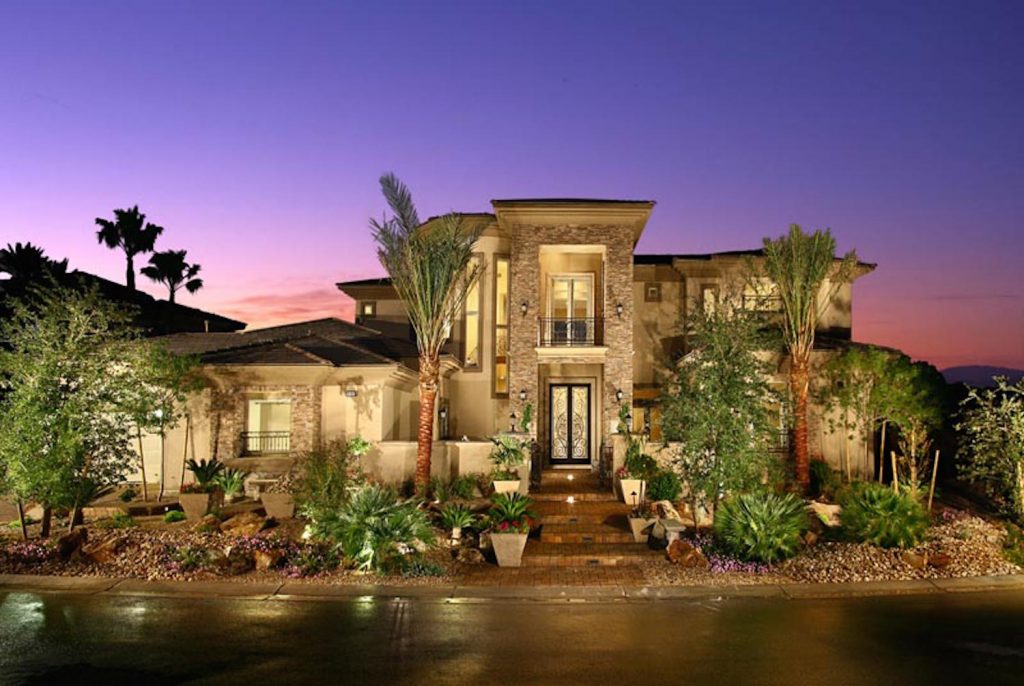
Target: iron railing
761, 303
571, 332
266, 442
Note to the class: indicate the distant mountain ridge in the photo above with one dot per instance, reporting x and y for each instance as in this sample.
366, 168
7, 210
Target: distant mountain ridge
980, 375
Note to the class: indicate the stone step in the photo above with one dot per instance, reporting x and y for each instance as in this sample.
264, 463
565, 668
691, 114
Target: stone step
577, 496
541, 554
585, 533
585, 512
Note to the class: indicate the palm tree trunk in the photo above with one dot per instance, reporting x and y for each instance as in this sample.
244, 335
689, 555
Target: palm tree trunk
429, 372
798, 380
129, 277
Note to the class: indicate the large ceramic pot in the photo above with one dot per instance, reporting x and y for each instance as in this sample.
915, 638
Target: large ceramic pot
630, 487
506, 486
198, 505
508, 548
640, 526
278, 505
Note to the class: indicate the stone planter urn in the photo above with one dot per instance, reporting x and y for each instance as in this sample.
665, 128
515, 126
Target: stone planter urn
278, 505
639, 526
508, 548
507, 486
198, 505
631, 486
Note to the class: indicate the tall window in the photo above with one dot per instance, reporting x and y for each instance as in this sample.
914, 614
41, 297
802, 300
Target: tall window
268, 426
501, 311
471, 339
761, 295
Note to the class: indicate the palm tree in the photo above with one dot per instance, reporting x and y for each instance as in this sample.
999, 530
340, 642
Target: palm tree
132, 233
170, 268
430, 268
804, 270
26, 263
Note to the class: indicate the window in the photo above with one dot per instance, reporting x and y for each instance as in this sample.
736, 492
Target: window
652, 292
761, 296
366, 309
472, 322
268, 426
501, 320
709, 298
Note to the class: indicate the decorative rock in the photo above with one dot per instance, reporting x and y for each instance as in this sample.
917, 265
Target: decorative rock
237, 561
104, 552
939, 560
685, 555
265, 559
245, 524
70, 545
470, 556
826, 513
666, 510
915, 560
810, 538
208, 524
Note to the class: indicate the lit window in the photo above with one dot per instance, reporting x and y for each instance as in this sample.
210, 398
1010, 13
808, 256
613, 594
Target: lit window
368, 309
652, 293
471, 356
761, 296
268, 426
501, 311
709, 299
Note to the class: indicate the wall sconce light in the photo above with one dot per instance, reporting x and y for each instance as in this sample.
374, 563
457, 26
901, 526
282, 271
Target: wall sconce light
351, 392
618, 309
618, 395
524, 307
512, 424
522, 395
443, 412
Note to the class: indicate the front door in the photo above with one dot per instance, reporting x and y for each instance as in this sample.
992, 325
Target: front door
570, 424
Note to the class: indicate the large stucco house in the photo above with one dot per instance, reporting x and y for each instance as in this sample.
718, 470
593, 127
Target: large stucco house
566, 317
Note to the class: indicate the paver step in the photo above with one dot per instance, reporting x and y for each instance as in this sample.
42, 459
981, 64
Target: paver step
541, 554
586, 533
577, 496
584, 512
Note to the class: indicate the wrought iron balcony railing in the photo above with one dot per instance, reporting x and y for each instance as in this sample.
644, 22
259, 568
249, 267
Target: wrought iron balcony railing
571, 332
266, 442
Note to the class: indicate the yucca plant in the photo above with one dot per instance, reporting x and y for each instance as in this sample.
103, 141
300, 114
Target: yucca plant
761, 527
374, 528
231, 481
873, 513
456, 517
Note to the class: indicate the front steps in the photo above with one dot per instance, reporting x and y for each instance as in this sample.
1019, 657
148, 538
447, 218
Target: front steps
590, 530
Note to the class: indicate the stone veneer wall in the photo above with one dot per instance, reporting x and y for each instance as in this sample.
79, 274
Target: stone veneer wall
228, 416
618, 331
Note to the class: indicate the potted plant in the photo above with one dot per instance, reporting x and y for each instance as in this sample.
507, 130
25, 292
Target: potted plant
232, 482
507, 456
203, 494
638, 467
640, 522
456, 517
509, 520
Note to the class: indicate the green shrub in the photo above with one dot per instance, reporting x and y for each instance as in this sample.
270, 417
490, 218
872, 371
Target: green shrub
189, 558
311, 560
231, 481
510, 513
374, 527
119, 520
456, 516
825, 481
127, 495
761, 527
328, 474
872, 513
415, 566
172, 516
507, 455
463, 486
664, 485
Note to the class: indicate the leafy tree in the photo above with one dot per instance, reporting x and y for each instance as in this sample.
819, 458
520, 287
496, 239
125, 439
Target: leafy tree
130, 232
717, 405
431, 268
170, 268
66, 365
917, 407
991, 425
803, 269
26, 263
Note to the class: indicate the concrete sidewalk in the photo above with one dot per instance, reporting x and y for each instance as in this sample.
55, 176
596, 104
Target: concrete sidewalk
297, 590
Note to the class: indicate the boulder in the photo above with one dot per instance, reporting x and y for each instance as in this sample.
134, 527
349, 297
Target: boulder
915, 560
685, 555
69, 545
104, 552
826, 513
245, 524
939, 560
266, 559
666, 510
233, 562
810, 538
469, 556
208, 524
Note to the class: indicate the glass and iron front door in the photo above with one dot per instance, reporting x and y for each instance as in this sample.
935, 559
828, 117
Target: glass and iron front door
570, 424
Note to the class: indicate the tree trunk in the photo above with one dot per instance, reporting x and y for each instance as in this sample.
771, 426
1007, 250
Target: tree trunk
429, 371
170, 298
798, 381
142, 462
184, 454
44, 530
163, 447
21, 520
881, 454
129, 277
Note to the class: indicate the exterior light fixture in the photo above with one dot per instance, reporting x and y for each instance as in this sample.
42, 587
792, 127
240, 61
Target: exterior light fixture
443, 412
512, 424
570, 500
618, 395
522, 395
632, 497
569, 478
618, 309
524, 307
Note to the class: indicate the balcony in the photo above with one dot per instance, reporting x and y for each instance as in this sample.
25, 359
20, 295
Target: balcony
266, 442
569, 333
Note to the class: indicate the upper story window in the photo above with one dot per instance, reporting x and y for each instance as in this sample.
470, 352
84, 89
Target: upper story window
709, 298
501, 323
570, 311
652, 292
268, 426
761, 295
366, 309
472, 322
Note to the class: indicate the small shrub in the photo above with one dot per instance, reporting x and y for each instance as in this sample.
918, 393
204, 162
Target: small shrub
761, 527
825, 481
327, 475
456, 516
119, 520
463, 486
231, 481
172, 516
508, 454
311, 560
1013, 546
189, 558
127, 495
16, 524
872, 513
664, 485
439, 490
415, 566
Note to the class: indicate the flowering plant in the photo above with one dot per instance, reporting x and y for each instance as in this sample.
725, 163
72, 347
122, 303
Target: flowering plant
196, 487
510, 514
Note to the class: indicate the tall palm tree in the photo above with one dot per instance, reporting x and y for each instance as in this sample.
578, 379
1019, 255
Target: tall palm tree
170, 268
132, 233
431, 269
26, 263
806, 274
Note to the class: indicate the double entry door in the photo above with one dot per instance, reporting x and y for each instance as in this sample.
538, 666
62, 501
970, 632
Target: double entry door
570, 424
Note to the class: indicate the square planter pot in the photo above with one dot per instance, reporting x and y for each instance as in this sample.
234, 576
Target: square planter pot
278, 505
506, 486
637, 525
508, 548
631, 486
198, 505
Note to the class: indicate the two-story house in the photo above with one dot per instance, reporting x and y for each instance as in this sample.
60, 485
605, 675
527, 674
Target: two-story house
565, 318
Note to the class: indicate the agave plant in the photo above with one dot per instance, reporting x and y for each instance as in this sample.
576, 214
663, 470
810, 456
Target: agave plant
873, 513
456, 517
205, 471
761, 527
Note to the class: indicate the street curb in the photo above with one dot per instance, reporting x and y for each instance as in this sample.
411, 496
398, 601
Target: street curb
299, 591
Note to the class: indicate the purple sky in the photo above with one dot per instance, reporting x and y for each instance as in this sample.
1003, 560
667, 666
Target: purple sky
255, 133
